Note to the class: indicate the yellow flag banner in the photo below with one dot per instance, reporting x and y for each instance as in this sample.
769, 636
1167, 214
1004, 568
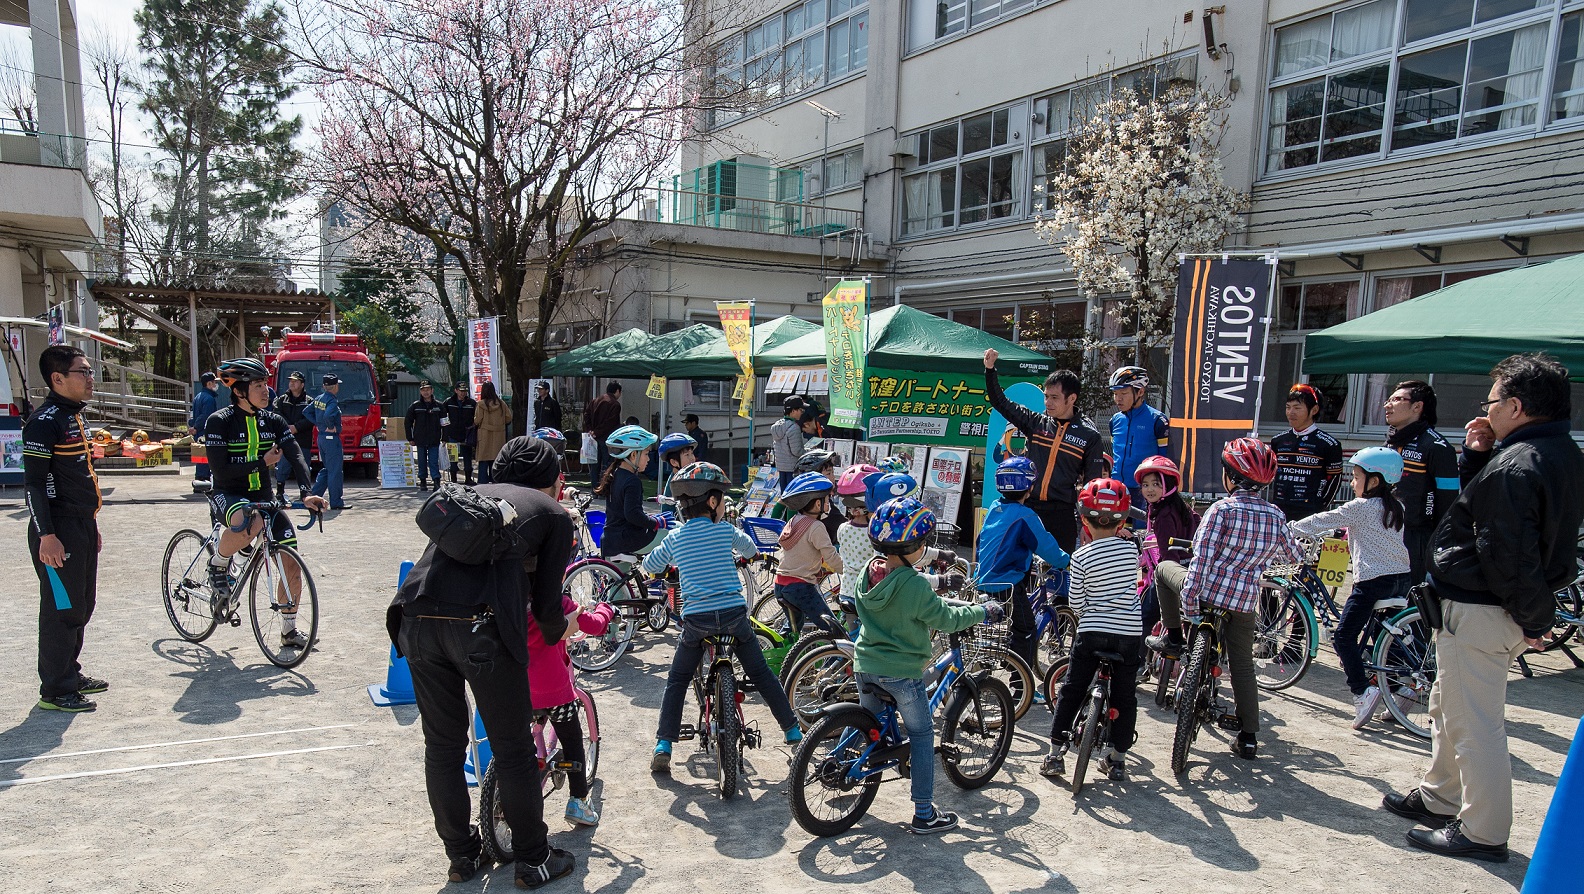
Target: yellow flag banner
745, 409
846, 341
656, 388
737, 321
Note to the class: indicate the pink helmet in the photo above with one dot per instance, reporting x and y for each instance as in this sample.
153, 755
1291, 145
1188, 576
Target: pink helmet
852, 479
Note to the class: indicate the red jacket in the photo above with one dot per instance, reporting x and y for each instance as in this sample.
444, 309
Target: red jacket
549, 668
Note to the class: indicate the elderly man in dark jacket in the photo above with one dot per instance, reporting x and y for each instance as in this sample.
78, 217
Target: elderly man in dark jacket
1498, 557
462, 625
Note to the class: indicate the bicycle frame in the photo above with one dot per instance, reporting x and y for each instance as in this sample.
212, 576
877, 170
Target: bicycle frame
949, 666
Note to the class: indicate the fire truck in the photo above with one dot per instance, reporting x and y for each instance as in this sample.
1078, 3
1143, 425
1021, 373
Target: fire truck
316, 354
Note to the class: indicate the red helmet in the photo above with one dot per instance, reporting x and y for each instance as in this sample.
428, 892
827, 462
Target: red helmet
1249, 461
1164, 467
1104, 500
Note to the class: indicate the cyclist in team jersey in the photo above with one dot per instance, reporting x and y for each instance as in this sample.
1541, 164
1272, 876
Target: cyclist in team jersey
1308, 460
244, 441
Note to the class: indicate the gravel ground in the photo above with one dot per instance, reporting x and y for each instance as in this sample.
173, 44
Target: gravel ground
206, 769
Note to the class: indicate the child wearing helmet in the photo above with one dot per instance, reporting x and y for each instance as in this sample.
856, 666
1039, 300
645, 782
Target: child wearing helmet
1374, 523
1168, 517
806, 552
1104, 592
704, 549
897, 611
866, 487
628, 529
1011, 536
676, 451
1240, 535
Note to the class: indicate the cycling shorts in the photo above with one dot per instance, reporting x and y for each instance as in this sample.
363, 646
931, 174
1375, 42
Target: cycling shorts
223, 506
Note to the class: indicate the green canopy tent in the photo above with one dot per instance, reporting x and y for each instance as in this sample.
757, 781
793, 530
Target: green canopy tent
903, 337
694, 352
1464, 328
625, 355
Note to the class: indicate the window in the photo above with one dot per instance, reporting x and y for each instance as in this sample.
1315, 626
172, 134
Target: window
932, 20
836, 171
979, 176
1460, 69
799, 49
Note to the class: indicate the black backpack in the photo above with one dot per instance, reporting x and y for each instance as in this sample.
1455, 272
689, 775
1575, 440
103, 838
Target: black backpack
465, 524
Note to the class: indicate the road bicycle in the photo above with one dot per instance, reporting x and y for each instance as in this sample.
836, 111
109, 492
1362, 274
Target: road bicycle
1091, 727
721, 730
273, 575
838, 768
554, 769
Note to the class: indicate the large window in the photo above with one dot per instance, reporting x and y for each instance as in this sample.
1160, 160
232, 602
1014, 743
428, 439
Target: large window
975, 172
1355, 83
931, 20
836, 171
801, 48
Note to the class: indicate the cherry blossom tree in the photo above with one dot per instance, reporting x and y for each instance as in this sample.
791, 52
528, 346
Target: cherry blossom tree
1143, 183
505, 132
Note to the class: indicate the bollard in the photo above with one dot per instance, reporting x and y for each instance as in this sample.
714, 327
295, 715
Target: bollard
398, 686
1554, 867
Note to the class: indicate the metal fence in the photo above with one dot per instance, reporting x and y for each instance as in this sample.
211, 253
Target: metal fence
748, 215
135, 398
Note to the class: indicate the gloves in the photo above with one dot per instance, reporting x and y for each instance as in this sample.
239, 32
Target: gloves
508, 512
952, 581
993, 612
946, 556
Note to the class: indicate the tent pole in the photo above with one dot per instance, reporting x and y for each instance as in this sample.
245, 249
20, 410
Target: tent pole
753, 382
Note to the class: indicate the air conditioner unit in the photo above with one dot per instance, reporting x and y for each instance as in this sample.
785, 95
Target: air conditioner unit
906, 147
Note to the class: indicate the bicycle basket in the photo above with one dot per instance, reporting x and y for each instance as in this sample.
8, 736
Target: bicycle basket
595, 520
981, 642
764, 531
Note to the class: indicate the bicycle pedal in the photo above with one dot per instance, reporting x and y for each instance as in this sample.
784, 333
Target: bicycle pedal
687, 733
752, 738
950, 754
235, 621
1229, 722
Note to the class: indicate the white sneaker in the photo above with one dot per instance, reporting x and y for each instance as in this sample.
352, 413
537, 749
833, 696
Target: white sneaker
580, 813
1364, 706
1406, 700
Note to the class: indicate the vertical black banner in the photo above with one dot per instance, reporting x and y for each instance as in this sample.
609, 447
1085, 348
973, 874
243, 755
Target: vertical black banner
1218, 360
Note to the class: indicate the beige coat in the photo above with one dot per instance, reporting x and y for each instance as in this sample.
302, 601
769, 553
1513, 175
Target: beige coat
491, 422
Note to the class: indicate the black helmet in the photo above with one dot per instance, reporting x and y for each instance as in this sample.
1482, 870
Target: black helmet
242, 371
792, 403
815, 460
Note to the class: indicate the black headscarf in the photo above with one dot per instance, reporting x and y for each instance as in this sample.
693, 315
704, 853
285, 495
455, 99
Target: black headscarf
527, 461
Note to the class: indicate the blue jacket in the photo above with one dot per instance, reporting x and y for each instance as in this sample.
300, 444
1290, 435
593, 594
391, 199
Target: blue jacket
1136, 435
203, 405
1010, 534
325, 414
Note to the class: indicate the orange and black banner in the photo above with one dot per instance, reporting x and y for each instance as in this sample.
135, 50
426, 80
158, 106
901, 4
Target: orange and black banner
1218, 360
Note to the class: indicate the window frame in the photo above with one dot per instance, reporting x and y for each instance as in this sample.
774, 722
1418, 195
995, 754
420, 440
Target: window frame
970, 26
784, 90
814, 168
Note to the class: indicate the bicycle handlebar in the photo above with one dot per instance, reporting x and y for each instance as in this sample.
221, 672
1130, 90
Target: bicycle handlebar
270, 507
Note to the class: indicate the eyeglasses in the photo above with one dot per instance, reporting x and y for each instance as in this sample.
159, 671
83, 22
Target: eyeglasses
1485, 405
85, 372
1394, 399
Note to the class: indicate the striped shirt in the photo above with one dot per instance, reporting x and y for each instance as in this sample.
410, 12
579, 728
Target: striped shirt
1105, 587
702, 551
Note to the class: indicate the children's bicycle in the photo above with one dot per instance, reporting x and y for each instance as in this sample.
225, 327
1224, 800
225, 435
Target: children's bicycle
554, 769
841, 762
721, 730
1198, 696
1092, 725
277, 582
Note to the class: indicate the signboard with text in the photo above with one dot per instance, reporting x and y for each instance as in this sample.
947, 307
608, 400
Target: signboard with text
484, 355
846, 345
943, 408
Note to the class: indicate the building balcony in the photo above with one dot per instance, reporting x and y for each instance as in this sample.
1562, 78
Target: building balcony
747, 215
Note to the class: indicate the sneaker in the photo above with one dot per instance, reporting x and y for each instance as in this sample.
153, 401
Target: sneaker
294, 639
1115, 767
794, 735
1165, 645
1055, 764
580, 813
1246, 746
91, 686
1364, 706
464, 868
1406, 700
660, 762
939, 822
71, 703
558, 865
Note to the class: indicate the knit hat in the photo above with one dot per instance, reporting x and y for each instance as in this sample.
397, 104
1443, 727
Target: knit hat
526, 461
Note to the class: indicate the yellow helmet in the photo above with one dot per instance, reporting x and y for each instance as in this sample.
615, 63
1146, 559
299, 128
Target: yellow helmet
140, 437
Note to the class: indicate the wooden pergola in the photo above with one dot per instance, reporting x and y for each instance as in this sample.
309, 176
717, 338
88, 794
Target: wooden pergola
271, 308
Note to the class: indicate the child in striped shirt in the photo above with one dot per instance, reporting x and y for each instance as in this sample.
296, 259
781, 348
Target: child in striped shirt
713, 603
1105, 594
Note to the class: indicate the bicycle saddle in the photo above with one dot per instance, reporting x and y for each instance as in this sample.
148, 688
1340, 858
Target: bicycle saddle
623, 557
878, 692
1394, 602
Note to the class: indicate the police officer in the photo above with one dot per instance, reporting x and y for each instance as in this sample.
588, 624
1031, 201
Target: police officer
325, 414
290, 407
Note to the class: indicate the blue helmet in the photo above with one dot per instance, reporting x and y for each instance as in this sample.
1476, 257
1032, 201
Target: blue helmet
629, 439
1382, 461
675, 443
1016, 475
885, 486
805, 489
549, 434
900, 526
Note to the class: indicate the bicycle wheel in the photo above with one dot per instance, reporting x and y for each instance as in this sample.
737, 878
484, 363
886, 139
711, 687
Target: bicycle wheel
658, 617
494, 832
1057, 642
1055, 675
826, 798
1093, 712
1405, 662
590, 583
728, 733
591, 736
977, 733
801, 647
1570, 604
1188, 692
822, 676
1281, 640
185, 582
270, 604
1010, 668
771, 613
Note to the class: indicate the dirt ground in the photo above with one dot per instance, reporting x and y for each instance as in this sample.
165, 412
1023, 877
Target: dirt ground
206, 769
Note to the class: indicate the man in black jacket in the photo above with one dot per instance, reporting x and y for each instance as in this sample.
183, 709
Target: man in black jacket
289, 406
547, 410
1066, 448
463, 625
1430, 467
459, 408
1505, 547
423, 432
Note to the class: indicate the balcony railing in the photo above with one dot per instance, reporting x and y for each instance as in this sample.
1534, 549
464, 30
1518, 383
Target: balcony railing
745, 215
20, 144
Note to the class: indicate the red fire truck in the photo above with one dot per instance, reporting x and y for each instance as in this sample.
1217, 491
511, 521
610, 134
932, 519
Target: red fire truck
316, 354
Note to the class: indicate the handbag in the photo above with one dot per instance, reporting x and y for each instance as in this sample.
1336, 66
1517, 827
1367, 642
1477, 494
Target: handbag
590, 451
1428, 602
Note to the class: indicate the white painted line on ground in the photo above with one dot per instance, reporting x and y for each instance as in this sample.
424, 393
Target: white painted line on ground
7, 783
279, 732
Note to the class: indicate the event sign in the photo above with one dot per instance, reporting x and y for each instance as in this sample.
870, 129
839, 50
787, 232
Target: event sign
656, 388
763, 489
946, 408
1334, 560
1218, 359
737, 322
396, 465
945, 479
484, 363
57, 324
746, 399
846, 345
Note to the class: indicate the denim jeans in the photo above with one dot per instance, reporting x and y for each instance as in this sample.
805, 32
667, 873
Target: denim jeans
914, 709
690, 651
429, 462
805, 604
485, 466
1356, 614
446, 657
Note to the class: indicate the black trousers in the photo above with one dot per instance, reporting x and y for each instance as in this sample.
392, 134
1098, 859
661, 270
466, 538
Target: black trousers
66, 603
1124, 685
1022, 640
465, 454
1061, 520
445, 658
1418, 542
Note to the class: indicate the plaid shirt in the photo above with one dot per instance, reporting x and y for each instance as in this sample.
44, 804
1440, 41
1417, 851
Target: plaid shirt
1239, 537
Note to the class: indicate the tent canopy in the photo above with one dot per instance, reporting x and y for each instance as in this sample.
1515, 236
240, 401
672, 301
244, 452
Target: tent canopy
693, 352
626, 355
1465, 328
903, 337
